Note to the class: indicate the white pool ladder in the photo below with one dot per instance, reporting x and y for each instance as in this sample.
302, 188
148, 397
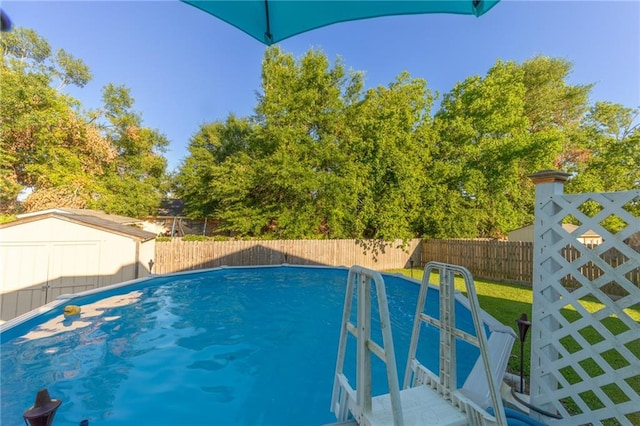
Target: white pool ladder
345, 400
486, 376
427, 398
417, 405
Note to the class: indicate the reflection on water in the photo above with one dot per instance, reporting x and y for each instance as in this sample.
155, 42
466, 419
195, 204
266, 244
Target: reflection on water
160, 354
81, 359
60, 323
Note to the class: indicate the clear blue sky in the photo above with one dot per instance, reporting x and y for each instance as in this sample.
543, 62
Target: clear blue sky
185, 67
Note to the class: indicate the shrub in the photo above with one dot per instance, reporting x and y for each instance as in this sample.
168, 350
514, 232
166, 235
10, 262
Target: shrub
192, 237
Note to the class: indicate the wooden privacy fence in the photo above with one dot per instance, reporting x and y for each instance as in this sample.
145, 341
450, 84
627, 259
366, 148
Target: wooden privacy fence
611, 257
502, 261
177, 255
512, 261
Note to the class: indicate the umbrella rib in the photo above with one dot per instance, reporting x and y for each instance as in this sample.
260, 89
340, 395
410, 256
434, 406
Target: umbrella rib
266, 12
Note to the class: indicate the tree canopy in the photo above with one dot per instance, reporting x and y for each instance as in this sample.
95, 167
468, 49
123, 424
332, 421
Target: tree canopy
324, 158
60, 156
320, 159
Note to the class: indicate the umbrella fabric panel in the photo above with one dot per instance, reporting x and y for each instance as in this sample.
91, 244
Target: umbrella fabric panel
270, 21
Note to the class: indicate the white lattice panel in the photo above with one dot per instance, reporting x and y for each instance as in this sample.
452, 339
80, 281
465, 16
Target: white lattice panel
585, 355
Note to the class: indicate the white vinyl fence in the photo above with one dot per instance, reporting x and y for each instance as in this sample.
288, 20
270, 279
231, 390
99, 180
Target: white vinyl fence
585, 349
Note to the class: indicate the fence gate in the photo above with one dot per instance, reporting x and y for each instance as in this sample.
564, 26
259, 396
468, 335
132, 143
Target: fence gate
585, 349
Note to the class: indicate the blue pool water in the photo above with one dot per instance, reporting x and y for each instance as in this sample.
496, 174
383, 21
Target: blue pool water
230, 346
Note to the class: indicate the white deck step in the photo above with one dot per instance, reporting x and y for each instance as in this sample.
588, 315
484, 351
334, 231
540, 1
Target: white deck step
421, 405
350, 422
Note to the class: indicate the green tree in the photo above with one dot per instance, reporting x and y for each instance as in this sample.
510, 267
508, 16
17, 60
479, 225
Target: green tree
482, 138
610, 159
204, 179
555, 111
23, 50
322, 157
306, 170
46, 147
321, 160
611, 150
494, 132
61, 157
286, 175
391, 144
135, 182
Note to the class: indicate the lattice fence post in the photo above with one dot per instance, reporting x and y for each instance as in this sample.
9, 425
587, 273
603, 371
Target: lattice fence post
548, 183
585, 347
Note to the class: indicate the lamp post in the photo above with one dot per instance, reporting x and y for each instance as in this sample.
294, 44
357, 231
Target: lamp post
523, 327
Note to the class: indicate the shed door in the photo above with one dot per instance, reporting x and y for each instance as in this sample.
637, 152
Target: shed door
34, 274
24, 270
23, 263
73, 267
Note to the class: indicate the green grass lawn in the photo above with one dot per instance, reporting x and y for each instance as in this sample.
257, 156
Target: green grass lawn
507, 302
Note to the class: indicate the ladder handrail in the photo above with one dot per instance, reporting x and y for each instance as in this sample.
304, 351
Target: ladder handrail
449, 332
365, 279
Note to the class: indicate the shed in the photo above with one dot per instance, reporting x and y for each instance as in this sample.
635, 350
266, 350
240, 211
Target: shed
526, 234
53, 252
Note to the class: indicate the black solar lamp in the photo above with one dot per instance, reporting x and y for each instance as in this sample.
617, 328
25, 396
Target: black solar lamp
42, 411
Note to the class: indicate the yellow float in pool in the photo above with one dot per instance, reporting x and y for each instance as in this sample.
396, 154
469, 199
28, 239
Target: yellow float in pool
70, 310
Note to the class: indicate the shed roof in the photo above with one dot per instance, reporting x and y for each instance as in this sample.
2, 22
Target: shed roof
124, 220
99, 221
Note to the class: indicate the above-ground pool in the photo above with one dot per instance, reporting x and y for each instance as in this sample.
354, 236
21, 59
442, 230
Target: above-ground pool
237, 346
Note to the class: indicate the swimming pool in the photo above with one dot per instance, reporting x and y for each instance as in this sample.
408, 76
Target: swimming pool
233, 346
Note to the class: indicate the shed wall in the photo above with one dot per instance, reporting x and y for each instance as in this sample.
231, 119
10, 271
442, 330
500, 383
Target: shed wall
43, 259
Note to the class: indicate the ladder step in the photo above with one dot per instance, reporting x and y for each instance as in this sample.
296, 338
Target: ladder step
350, 422
421, 405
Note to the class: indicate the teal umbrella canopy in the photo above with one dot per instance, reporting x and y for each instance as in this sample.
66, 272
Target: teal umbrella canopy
271, 21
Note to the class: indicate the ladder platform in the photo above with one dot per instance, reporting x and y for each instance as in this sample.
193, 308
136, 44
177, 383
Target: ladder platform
350, 422
421, 405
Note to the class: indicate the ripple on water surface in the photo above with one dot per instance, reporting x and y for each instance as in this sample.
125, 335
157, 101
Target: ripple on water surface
228, 346
220, 341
